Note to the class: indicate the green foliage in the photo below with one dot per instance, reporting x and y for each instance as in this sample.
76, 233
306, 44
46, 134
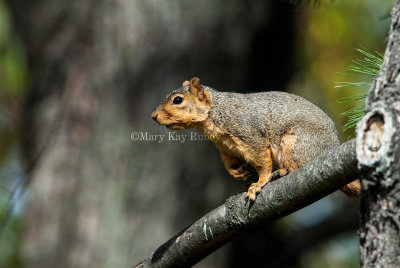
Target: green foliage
10, 242
297, 3
13, 84
7, 137
363, 71
13, 74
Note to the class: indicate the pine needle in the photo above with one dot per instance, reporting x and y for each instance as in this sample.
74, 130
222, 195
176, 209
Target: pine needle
364, 70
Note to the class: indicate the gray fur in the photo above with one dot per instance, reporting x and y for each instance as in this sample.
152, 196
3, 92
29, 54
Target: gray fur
254, 117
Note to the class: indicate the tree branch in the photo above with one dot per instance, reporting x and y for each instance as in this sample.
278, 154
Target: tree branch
279, 198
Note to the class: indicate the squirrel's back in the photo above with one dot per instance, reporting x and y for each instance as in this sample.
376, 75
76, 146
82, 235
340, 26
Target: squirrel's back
272, 115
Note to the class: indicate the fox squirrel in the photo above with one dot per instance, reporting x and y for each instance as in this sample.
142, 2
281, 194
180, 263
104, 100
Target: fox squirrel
269, 130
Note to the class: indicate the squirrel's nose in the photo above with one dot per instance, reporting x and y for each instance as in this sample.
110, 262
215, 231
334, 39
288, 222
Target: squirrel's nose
154, 116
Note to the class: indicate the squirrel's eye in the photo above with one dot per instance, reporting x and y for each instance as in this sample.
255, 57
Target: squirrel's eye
177, 100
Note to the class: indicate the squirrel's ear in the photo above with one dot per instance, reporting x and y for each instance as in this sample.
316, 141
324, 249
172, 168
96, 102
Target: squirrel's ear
198, 90
194, 83
194, 87
185, 83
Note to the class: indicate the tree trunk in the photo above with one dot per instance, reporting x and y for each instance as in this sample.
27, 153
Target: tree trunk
378, 153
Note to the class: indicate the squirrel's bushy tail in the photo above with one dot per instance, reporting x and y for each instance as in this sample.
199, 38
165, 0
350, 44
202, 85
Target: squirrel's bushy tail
352, 189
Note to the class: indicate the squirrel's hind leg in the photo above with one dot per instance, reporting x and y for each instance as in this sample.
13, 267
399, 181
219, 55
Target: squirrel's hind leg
235, 166
264, 170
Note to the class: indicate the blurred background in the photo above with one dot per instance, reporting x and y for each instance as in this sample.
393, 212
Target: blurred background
77, 78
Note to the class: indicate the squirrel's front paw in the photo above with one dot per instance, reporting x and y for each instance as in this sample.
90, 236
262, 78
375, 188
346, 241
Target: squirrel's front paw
252, 192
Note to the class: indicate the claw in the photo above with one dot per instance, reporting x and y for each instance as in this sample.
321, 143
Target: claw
252, 192
251, 196
246, 199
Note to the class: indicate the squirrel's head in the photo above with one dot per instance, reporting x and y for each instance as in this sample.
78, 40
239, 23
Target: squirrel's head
183, 107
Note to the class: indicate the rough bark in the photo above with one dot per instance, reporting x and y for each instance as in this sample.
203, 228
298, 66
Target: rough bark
378, 153
278, 199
